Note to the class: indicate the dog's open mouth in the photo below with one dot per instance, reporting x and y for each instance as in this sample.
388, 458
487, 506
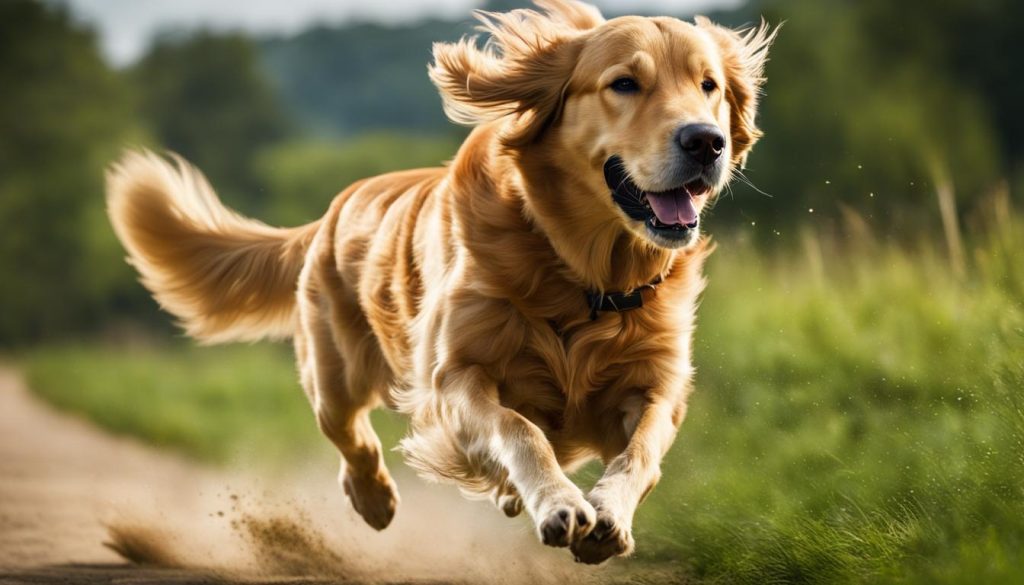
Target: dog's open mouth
668, 213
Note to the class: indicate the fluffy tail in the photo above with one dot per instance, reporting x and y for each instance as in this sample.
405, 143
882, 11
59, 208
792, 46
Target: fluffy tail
226, 277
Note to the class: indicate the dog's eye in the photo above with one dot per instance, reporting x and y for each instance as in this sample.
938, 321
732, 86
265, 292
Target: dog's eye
625, 85
708, 85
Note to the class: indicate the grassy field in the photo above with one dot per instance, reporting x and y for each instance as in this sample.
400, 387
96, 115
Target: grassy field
859, 414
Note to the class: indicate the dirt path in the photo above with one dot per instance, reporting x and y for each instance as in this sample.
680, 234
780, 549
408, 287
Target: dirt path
66, 488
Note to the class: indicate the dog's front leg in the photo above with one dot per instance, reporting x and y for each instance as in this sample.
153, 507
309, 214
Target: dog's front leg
627, 480
559, 509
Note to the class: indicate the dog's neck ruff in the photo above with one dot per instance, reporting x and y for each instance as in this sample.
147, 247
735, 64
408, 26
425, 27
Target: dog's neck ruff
618, 301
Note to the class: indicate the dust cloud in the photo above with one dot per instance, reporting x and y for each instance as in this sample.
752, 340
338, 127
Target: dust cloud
259, 528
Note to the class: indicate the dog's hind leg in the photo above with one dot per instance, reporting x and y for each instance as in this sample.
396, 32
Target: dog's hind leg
343, 374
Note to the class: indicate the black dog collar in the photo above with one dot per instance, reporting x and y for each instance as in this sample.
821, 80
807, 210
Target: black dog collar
618, 301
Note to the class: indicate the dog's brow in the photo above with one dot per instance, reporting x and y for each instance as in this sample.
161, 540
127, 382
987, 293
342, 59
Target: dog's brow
644, 65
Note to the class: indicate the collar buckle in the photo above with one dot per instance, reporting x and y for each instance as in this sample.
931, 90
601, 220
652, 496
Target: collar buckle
618, 301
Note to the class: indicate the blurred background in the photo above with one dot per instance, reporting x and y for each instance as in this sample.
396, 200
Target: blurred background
860, 346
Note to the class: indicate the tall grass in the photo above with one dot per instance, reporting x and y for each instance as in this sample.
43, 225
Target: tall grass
858, 418
867, 426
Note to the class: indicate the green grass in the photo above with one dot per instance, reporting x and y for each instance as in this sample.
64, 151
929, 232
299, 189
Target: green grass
858, 418
863, 422
207, 402
217, 404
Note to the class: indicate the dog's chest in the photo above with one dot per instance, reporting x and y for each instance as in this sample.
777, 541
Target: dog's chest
562, 380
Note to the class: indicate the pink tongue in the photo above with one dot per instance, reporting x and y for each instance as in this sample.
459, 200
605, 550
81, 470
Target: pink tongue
673, 207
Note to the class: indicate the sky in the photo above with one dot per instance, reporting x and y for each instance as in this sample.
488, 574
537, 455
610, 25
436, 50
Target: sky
125, 26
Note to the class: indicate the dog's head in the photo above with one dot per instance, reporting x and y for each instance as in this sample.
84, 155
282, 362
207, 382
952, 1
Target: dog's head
651, 114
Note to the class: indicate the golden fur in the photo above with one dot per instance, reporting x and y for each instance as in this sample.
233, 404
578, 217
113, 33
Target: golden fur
456, 294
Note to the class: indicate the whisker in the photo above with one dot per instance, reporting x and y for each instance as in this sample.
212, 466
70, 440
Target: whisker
728, 191
746, 181
625, 179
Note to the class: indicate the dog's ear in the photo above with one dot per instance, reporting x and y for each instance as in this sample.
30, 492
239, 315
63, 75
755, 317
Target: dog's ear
523, 70
744, 54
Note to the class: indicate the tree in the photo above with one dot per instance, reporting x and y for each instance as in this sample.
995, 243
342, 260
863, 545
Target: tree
977, 43
856, 120
361, 77
62, 118
206, 97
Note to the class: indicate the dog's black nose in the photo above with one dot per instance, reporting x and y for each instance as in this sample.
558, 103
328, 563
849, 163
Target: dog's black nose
704, 143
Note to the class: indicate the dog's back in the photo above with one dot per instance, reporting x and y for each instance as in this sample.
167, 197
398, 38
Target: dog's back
230, 278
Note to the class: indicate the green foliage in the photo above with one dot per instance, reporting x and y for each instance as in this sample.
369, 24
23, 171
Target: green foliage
361, 77
206, 98
215, 403
852, 122
971, 42
61, 120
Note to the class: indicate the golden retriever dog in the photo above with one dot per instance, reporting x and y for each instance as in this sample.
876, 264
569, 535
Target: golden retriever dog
529, 306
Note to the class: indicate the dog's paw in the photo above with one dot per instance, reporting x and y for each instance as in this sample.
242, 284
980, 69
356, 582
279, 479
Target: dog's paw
374, 497
608, 539
563, 523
